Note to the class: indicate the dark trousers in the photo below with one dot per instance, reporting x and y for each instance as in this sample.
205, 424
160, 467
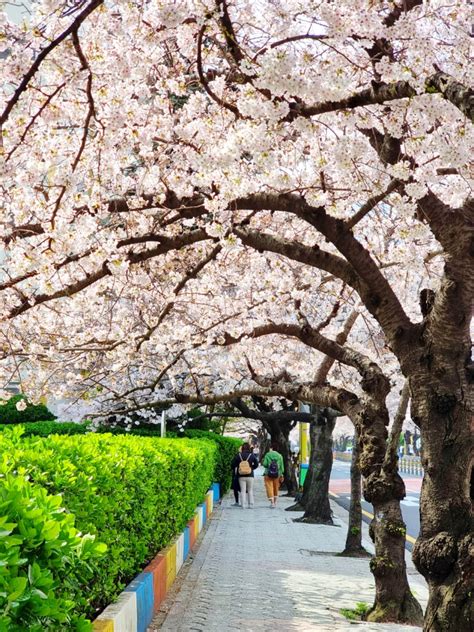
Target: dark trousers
235, 487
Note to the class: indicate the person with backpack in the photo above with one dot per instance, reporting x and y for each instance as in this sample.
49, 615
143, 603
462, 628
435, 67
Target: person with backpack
273, 474
245, 462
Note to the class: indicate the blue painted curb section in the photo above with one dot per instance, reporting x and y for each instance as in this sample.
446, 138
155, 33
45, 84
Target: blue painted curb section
135, 606
142, 585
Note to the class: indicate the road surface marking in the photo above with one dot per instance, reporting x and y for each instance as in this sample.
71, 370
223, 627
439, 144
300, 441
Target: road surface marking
410, 502
407, 537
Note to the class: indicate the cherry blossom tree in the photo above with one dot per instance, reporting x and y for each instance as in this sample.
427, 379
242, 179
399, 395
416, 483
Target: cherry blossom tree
143, 145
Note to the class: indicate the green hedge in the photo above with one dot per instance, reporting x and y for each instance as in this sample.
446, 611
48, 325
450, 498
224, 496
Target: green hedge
227, 449
9, 414
45, 562
133, 493
46, 428
227, 446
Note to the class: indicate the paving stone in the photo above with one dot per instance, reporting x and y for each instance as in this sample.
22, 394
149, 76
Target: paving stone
256, 570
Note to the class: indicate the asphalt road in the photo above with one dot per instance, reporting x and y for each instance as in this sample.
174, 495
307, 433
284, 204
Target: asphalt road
339, 489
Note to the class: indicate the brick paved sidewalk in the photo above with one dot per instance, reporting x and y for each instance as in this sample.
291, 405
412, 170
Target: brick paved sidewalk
257, 570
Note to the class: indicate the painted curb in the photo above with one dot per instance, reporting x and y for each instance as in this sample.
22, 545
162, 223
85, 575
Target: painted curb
122, 614
135, 606
142, 586
179, 552
216, 489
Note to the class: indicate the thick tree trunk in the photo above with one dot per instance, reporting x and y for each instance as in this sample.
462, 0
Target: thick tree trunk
406, 442
354, 546
264, 445
290, 482
444, 552
384, 488
317, 509
393, 600
310, 479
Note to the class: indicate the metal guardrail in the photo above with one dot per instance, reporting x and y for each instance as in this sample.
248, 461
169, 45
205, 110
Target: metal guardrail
406, 464
410, 465
342, 456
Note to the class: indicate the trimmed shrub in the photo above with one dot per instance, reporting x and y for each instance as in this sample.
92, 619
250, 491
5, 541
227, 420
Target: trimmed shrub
45, 563
227, 449
133, 493
46, 428
9, 414
227, 446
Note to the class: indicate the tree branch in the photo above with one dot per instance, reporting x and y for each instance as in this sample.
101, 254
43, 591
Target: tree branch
337, 398
203, 78
168, 244
228, 31
371, 204
42, 56
341, 338
311, 337
375, 291
310, 255
192, 273
453, 91
392, 444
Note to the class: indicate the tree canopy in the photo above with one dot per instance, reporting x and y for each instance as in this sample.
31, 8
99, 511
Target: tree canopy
189, 188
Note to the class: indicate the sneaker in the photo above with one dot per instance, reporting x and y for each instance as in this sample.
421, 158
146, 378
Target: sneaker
235, 505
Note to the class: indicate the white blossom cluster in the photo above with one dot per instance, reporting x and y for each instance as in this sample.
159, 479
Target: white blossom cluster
146, 131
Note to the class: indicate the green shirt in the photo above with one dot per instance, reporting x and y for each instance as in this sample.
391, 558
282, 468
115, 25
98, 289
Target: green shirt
269, 457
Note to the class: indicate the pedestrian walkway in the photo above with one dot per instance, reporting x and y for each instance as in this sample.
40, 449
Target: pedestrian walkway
257, 570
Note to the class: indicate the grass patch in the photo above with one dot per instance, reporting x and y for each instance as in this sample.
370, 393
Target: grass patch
359, 613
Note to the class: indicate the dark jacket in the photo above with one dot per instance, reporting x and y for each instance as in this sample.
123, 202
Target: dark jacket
252, 459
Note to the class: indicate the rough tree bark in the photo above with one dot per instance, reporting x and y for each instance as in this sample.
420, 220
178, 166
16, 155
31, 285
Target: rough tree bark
315, 499
263, 442
444, 551
353, 547
384, 488
435, 356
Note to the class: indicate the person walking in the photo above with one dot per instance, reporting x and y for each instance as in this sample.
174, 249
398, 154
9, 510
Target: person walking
235, 483
273, 473
245, 462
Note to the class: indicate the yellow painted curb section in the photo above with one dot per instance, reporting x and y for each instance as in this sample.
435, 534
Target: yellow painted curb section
170, 554
209, 502
103, 625
409, 538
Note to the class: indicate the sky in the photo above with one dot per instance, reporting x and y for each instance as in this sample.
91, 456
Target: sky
17, 9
